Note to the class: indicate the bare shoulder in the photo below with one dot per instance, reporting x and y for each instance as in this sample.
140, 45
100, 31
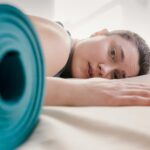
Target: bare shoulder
56, 44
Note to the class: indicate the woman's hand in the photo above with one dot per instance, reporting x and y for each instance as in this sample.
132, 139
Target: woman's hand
96, 92
105, 92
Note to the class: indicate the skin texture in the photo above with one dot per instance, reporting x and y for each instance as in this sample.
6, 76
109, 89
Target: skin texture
103, 53
55, 42
96, 92
93, 91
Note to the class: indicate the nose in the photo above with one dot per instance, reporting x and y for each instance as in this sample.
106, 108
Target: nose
105, 70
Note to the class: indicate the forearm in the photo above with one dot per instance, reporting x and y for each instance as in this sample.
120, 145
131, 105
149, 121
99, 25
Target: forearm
95, 92
66, 92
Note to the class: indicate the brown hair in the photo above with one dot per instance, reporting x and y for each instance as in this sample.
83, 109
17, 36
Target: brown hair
143, 48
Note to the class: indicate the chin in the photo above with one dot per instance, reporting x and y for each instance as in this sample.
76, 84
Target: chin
79, 75
76, 74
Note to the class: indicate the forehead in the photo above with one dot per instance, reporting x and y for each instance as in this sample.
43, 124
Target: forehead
131, 55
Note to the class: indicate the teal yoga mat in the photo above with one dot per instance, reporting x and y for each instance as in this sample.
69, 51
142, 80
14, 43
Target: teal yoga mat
22, 76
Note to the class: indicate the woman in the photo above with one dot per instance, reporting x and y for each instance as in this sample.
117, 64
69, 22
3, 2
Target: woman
105, 55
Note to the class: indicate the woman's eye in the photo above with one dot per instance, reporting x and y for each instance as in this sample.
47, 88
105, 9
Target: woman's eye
113, 53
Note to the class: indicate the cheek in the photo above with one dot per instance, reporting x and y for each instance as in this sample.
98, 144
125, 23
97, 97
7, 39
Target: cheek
99, 55
94, 52
102, 51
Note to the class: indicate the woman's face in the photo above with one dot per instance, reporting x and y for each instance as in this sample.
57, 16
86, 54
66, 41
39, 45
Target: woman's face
109, 57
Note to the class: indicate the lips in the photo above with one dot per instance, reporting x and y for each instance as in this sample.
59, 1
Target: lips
90, 72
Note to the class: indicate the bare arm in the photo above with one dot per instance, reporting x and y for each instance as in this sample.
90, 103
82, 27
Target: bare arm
95, 91
80, 92
61, 91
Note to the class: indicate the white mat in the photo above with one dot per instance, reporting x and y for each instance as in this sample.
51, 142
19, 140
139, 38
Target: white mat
92, 128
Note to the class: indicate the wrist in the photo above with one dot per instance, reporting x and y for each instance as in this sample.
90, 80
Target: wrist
76, 92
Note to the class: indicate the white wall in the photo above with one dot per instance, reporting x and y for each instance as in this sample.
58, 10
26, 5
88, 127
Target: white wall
43, 8
136, 14
83, 17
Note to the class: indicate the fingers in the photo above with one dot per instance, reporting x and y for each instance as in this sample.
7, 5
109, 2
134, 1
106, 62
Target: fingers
138, 84
138, 88
129, 85
134, 94
134, 101
137, 92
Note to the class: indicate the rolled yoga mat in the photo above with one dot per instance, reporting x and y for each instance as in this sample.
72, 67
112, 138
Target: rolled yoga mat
21, 77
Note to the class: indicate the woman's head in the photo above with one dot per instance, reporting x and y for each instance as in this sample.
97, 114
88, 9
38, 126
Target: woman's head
116, 54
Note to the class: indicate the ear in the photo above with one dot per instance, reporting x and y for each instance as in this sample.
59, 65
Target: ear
101, 32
